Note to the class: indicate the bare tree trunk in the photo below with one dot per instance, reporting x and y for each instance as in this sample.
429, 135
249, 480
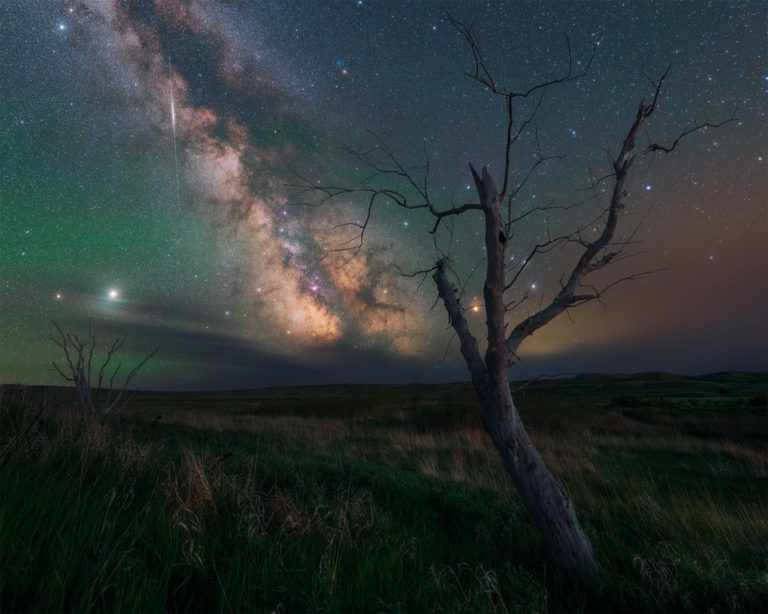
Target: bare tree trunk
544, 498
546, 501
542, 495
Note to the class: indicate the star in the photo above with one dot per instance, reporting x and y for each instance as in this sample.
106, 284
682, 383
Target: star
217, 229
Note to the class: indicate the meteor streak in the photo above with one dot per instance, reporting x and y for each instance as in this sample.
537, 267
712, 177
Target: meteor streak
173, 127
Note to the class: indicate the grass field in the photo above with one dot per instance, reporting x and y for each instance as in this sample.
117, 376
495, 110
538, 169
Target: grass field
384, 498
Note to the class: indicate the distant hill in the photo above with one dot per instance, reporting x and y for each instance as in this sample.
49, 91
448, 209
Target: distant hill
653, 383
649, 384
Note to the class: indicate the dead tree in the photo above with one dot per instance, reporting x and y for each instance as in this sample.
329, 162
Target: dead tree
95, 389
545, 499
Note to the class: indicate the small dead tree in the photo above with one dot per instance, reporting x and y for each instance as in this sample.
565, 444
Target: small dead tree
545, 499
94, 384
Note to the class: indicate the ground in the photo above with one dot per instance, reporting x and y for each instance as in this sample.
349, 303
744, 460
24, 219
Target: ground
384, 498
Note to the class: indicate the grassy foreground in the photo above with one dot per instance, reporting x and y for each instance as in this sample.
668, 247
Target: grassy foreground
386, 499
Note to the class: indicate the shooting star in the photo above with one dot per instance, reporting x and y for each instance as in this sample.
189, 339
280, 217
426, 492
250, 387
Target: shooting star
173, 127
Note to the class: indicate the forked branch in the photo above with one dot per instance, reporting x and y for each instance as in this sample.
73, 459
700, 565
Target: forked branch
483, 75
594, 257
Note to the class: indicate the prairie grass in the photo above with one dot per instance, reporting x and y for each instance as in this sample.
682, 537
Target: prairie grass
275, 504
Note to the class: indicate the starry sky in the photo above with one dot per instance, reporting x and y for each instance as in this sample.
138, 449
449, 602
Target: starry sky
147, 152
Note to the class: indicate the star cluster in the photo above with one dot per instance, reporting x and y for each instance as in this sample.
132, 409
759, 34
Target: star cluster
148, 149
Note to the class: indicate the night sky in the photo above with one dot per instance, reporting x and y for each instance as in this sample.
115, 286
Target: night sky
146, 148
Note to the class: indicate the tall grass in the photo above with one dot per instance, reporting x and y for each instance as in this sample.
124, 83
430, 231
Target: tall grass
94, 523
235, 511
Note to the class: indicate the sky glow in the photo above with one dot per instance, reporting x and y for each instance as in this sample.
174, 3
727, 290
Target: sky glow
148, 150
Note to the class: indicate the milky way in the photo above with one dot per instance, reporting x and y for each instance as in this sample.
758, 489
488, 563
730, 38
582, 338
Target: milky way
148, 152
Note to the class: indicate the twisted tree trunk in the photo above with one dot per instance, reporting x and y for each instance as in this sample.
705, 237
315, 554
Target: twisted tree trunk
546, 501
544, 498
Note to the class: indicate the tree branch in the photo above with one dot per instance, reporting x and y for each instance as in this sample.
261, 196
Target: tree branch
669, 148
457, 320
483, 75
590, 259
